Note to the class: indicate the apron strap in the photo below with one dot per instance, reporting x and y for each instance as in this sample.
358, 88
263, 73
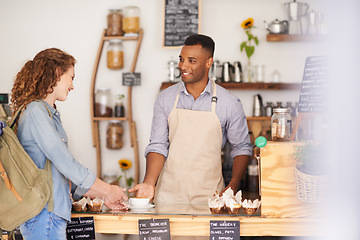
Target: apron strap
213, 99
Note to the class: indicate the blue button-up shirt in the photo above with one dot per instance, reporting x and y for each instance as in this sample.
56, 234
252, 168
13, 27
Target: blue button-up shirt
228, 109
44, 137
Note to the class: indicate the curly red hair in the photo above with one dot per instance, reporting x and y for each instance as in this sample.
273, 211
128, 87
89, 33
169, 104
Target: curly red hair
39, 76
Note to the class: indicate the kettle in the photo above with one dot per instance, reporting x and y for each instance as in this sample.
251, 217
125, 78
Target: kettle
172, 68
277, 27
258, 108
213, 70
227, 68
237, 72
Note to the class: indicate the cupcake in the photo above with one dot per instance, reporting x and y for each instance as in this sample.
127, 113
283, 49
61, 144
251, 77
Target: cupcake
216, 204
251, 207
95, 205
80, 206
232, 206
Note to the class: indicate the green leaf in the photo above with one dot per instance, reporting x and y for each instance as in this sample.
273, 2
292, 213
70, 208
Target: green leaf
129, 181
256, 40
249, 51
242, 46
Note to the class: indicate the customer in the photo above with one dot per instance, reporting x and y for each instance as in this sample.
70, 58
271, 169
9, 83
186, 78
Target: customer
49, 77
191, 123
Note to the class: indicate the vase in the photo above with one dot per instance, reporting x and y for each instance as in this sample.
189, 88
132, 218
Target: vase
249, 72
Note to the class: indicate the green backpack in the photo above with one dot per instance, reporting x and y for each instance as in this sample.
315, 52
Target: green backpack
24, 188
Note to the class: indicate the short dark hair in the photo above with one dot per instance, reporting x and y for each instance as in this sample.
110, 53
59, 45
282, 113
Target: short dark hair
205, 41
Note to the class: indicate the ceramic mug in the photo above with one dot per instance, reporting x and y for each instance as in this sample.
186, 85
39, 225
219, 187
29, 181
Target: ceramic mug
139, 201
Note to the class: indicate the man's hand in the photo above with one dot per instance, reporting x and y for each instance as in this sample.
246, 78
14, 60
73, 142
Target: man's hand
143, 190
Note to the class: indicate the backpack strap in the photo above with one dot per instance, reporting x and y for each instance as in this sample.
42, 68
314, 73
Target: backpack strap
8, 183
48, 169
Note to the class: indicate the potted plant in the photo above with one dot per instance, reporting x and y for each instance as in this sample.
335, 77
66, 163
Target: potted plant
310, 172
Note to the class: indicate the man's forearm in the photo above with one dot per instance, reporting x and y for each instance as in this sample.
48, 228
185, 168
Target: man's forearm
154, 165
240, 164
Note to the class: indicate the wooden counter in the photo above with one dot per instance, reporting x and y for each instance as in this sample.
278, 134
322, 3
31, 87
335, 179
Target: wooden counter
187, 225
281, 213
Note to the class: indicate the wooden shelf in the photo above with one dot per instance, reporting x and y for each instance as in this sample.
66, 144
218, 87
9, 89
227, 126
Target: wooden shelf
250, 86
95, 120
110, 118
294, 38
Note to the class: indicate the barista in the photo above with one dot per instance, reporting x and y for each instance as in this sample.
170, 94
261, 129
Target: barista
191, 123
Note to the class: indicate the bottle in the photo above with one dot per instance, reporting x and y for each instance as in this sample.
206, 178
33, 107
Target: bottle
268, 109
119, 110
103, 104
114, 23
114, 134
115, 54
281, 125
131, 20
253, 176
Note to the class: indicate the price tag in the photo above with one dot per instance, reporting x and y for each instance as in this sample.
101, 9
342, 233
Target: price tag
224, 230
81, 228
154, 229
131, 79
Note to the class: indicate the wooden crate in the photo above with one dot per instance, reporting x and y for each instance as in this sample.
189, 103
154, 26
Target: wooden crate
278, 190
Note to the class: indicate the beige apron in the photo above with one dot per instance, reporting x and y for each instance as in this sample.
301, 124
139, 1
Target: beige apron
192, 172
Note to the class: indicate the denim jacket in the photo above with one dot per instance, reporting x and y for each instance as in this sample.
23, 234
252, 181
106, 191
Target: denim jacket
44, 137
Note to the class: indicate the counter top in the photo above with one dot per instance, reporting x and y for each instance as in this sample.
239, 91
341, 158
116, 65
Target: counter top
194, 220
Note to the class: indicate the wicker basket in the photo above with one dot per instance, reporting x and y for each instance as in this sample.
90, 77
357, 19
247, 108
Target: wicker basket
310, 188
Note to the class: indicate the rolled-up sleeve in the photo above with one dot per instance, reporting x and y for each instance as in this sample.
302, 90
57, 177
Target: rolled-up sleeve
237, 131
159, 137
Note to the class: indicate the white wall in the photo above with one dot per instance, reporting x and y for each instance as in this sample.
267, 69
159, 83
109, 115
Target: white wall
26, 27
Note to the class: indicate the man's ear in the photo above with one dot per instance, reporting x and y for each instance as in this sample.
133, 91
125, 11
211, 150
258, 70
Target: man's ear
209, 62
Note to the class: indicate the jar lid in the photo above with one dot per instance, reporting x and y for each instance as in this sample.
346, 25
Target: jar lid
115, 10
281, 110
115, 121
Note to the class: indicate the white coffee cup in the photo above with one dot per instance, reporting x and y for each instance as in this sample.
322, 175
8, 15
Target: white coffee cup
139, 201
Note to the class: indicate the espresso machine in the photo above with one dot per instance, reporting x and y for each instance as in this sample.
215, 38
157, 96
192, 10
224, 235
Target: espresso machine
295, 11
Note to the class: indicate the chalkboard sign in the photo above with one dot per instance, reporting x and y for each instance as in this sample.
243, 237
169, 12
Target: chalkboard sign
314, 86
81, 228
229, 230
131, 79
158, 229
181, 19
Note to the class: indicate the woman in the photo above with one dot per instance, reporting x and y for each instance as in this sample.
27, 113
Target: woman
49, 77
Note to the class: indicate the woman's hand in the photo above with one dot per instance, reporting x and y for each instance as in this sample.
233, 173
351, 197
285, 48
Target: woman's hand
143, 190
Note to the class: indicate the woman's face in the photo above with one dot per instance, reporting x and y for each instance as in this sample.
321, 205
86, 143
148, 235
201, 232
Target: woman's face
65, 85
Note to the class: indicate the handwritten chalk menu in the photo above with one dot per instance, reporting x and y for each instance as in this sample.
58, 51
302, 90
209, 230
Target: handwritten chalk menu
131, 79
314, 85
151, 229
181, 19
81, 228
225, 230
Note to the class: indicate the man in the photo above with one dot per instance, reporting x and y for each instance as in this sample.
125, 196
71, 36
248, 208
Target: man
191, 122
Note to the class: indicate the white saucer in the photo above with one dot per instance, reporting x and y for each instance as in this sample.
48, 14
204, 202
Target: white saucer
141, 208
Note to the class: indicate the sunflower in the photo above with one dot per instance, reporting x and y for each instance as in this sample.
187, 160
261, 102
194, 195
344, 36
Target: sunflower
247, 23
125, 164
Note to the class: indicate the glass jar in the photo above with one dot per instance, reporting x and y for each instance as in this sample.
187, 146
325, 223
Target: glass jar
114, 23
281, 125
103, 106
119, 110
115, 54
114, 134
131, 20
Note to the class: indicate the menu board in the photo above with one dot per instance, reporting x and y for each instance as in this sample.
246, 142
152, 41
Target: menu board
81, 228
131, 79
227, 230
314, 86
181, 19
154, 229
